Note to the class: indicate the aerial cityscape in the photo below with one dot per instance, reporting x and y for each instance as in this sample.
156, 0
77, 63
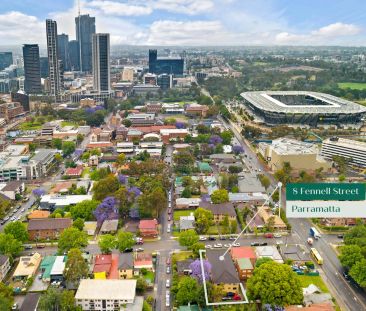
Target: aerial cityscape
188, 155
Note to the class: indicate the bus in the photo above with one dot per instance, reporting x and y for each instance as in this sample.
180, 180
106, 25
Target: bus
316, 256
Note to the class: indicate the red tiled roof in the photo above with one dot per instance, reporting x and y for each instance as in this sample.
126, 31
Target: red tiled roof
113, 272
242, 252
153, 128
314, 307
74, 171
142, 259
103, 259
102, 268
149, 224
99, 144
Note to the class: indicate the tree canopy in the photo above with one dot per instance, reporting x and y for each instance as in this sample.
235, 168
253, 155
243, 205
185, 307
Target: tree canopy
72, 238
220, 196
188, 238
203, 220
18, 230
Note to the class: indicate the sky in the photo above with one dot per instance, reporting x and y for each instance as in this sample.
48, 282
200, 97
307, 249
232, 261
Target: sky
193, 22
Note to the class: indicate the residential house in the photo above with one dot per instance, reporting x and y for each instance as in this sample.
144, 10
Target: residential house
220, 211
338, 222
153, 107
102, 264
186, 222
47, 228
295, 253
93, 160
58, 267
187, 203
90, 227
256, 198
125, 266
52, 202
325, 306
269, 251
223, 158
46, 267
223, 272
109, 226
142, 261
62, 187
4, 266
74, 172
148, 228
27, 267
106, 295
183, 267
173, 134
12, 188
267, 216
103, 145
244, 260
37, 214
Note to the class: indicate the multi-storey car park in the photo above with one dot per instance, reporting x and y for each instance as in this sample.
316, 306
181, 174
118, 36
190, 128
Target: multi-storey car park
302, 107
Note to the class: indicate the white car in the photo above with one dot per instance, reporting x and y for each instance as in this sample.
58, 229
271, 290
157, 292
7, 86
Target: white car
236, 244
218, 245
167, 283
227, 245
203, 238
208, 246
277, 235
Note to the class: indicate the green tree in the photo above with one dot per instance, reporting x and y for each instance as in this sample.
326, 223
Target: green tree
9, 245
358, 272
84, 209
121, 159
57, 143
187, 291
203, 220
72, 238
146, 306
196, 248
6, 297
141, 285
122, 196
18, 230
186, 193
356, 235
78, 224
124, 240
220, 196
225, 224
5, 303
76, 268
341, 178
275, 284
105, 187
233, 226
68, 147
55, 299
226, 137
106, 243
188, 238
79, 138
153, 201
350, 255
262, 260
265, 181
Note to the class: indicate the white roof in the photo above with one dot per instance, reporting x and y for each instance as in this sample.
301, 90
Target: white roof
106, 289
64, 200
188, 201
58, 266
173, 131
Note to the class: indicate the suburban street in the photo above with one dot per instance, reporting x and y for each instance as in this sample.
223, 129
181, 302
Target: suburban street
347, 296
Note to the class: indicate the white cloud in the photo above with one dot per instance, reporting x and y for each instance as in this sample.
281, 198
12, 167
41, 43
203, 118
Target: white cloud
330, 34
190, 7
120, 9
19, 28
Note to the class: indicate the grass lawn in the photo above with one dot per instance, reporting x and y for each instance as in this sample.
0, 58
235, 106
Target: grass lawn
177, 214
86, 172
182, 255
352, 85
361, 102
68, 123
29, 126
260, 64
149, 276
215, 230
306, 280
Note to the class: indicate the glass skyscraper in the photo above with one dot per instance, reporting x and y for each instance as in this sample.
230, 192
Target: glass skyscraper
85, 28
63, 50
32, 69
74, 55
168, 65
53, 59
6, 59
101, 62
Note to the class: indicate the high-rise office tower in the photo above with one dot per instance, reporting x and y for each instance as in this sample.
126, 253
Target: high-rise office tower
85, 28
44, 66
53, 59
6, 59
63, 50
74, 55
32, 69
101, 66
153, 56
167, 65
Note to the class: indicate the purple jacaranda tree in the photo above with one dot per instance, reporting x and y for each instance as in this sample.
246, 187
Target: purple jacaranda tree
134, 213
196, 269
38, 192
91, 110
268, 307
180, 125
238, 149
135, 191
122, 179
205, 198
106, 210
215, 140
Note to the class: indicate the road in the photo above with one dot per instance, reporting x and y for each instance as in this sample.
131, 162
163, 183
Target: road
347, 296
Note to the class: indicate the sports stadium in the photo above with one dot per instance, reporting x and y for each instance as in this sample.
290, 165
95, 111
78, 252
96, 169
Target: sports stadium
301, 107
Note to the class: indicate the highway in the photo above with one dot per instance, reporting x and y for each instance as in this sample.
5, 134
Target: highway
348, 297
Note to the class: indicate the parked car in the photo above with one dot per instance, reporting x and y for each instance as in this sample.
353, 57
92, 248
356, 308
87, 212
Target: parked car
208, 246
41, 246
277, 235
167, 283
232, 238
169, 218
140, 249
218, 245
168, 261
168, 269
203, 238
263, 244
28, 246
254, 244
128, 250
211, 238
169, 211
340, 236
268, 235
237, 244
222, 237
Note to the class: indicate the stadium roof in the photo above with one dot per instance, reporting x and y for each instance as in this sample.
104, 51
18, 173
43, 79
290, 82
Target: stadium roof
263, 100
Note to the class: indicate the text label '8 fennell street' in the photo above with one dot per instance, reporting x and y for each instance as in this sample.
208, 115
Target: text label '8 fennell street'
325, 192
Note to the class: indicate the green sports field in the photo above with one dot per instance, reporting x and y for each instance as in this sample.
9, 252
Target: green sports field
352, 85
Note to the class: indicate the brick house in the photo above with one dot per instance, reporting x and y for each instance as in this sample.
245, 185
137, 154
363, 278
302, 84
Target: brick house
148, 228
47, 228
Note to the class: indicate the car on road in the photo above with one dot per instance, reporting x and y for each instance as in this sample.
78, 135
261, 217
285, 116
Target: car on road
237, 244
140, 249
263, 244
168, 261
268, 235
139, 241
128, 250
41, 246
340, 236
232, 238
28, 246
168, 229
222, 237
277, 235
254, 244
169, 218
169, 211
218, 245
208, 246
203, 238
3, 222
168, 269
211, 238
167, 283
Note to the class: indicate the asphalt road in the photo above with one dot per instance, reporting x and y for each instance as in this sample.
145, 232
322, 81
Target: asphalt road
348, 297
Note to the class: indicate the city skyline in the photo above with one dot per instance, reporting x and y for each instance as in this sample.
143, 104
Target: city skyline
193, 22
